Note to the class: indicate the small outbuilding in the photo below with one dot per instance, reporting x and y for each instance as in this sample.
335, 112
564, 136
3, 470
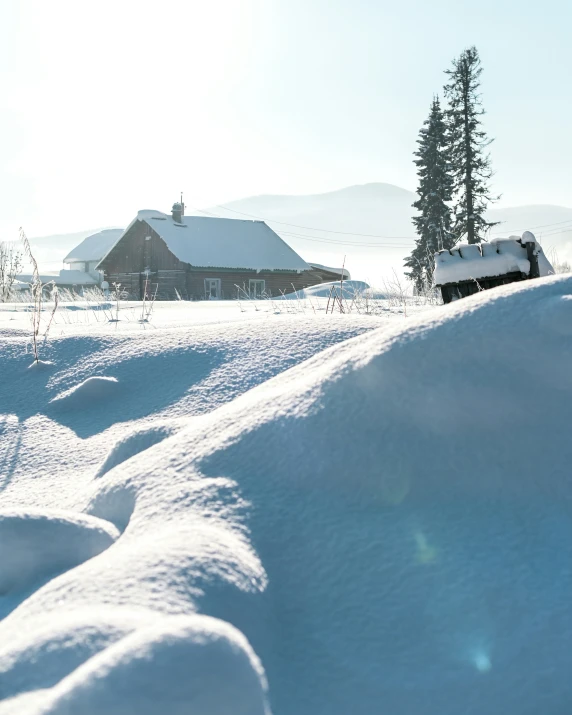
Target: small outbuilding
470, 268
86, 255
204, 257
81, 262
329, 274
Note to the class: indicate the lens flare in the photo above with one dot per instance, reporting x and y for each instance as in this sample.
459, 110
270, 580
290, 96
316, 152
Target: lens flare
482, 662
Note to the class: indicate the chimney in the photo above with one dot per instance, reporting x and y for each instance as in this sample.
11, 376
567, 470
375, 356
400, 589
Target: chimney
177, 212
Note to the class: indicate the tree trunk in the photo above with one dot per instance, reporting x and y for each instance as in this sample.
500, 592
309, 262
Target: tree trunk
468, 159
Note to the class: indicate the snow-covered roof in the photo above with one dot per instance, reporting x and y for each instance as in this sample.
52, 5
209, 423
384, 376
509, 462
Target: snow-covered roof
339, 271
487, 260
94, 247
212, 242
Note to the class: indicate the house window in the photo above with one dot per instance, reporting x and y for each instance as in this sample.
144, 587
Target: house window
256, 288
212, 288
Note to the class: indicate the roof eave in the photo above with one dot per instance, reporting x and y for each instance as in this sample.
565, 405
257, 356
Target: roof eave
245, 268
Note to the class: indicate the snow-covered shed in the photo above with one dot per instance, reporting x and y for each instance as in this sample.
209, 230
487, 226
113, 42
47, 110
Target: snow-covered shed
331, 274
81, 264
470, 268
203, 257
85, 256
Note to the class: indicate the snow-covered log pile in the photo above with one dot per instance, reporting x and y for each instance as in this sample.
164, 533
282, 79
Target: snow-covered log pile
487, 260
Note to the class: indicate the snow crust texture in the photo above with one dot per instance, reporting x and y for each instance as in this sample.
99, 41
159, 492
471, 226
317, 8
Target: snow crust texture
193, 664
102, 400
88, 392
376, 530
132, 444
35, 544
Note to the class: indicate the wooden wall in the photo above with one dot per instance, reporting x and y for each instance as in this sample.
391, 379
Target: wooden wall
276, 283
127, 261
133, 254
462, 289
167, 284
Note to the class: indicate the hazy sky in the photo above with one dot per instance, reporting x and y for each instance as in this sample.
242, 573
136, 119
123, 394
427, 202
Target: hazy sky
111, 106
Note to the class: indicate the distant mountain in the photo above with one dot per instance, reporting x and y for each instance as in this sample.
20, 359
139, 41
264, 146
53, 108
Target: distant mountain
369, 224
380, 209
373, 225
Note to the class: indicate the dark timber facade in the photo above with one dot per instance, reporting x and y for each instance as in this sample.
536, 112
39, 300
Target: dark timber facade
141, 260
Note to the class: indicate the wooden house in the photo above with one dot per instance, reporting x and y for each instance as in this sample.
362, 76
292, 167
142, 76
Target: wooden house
203, 257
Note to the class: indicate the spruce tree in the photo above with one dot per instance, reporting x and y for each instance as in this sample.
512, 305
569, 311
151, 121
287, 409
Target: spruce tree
470, 164
433, 224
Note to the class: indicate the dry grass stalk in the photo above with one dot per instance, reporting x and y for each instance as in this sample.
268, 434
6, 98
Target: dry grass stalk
36, 291
10, 266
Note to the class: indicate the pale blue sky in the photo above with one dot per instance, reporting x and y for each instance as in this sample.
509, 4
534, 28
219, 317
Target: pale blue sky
113, 106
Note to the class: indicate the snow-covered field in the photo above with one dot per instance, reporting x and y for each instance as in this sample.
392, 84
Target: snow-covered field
130, 384
385, 527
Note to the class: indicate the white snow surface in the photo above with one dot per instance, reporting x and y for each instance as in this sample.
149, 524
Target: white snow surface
87, 393
494, 258
35, 544
207, 666
94, 247
348, 289
372, 531
211, 242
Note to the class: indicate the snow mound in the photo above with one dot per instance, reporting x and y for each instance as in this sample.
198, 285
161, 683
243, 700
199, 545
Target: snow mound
35, 544
487, 260
348, 288
186, 664
416, 534
133, 444
90, 391
39, 656
40, 365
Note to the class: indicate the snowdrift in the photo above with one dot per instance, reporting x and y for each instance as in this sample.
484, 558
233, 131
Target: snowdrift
194, 664
36, 544
132, 444
387, 527
80, 396
347, 288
